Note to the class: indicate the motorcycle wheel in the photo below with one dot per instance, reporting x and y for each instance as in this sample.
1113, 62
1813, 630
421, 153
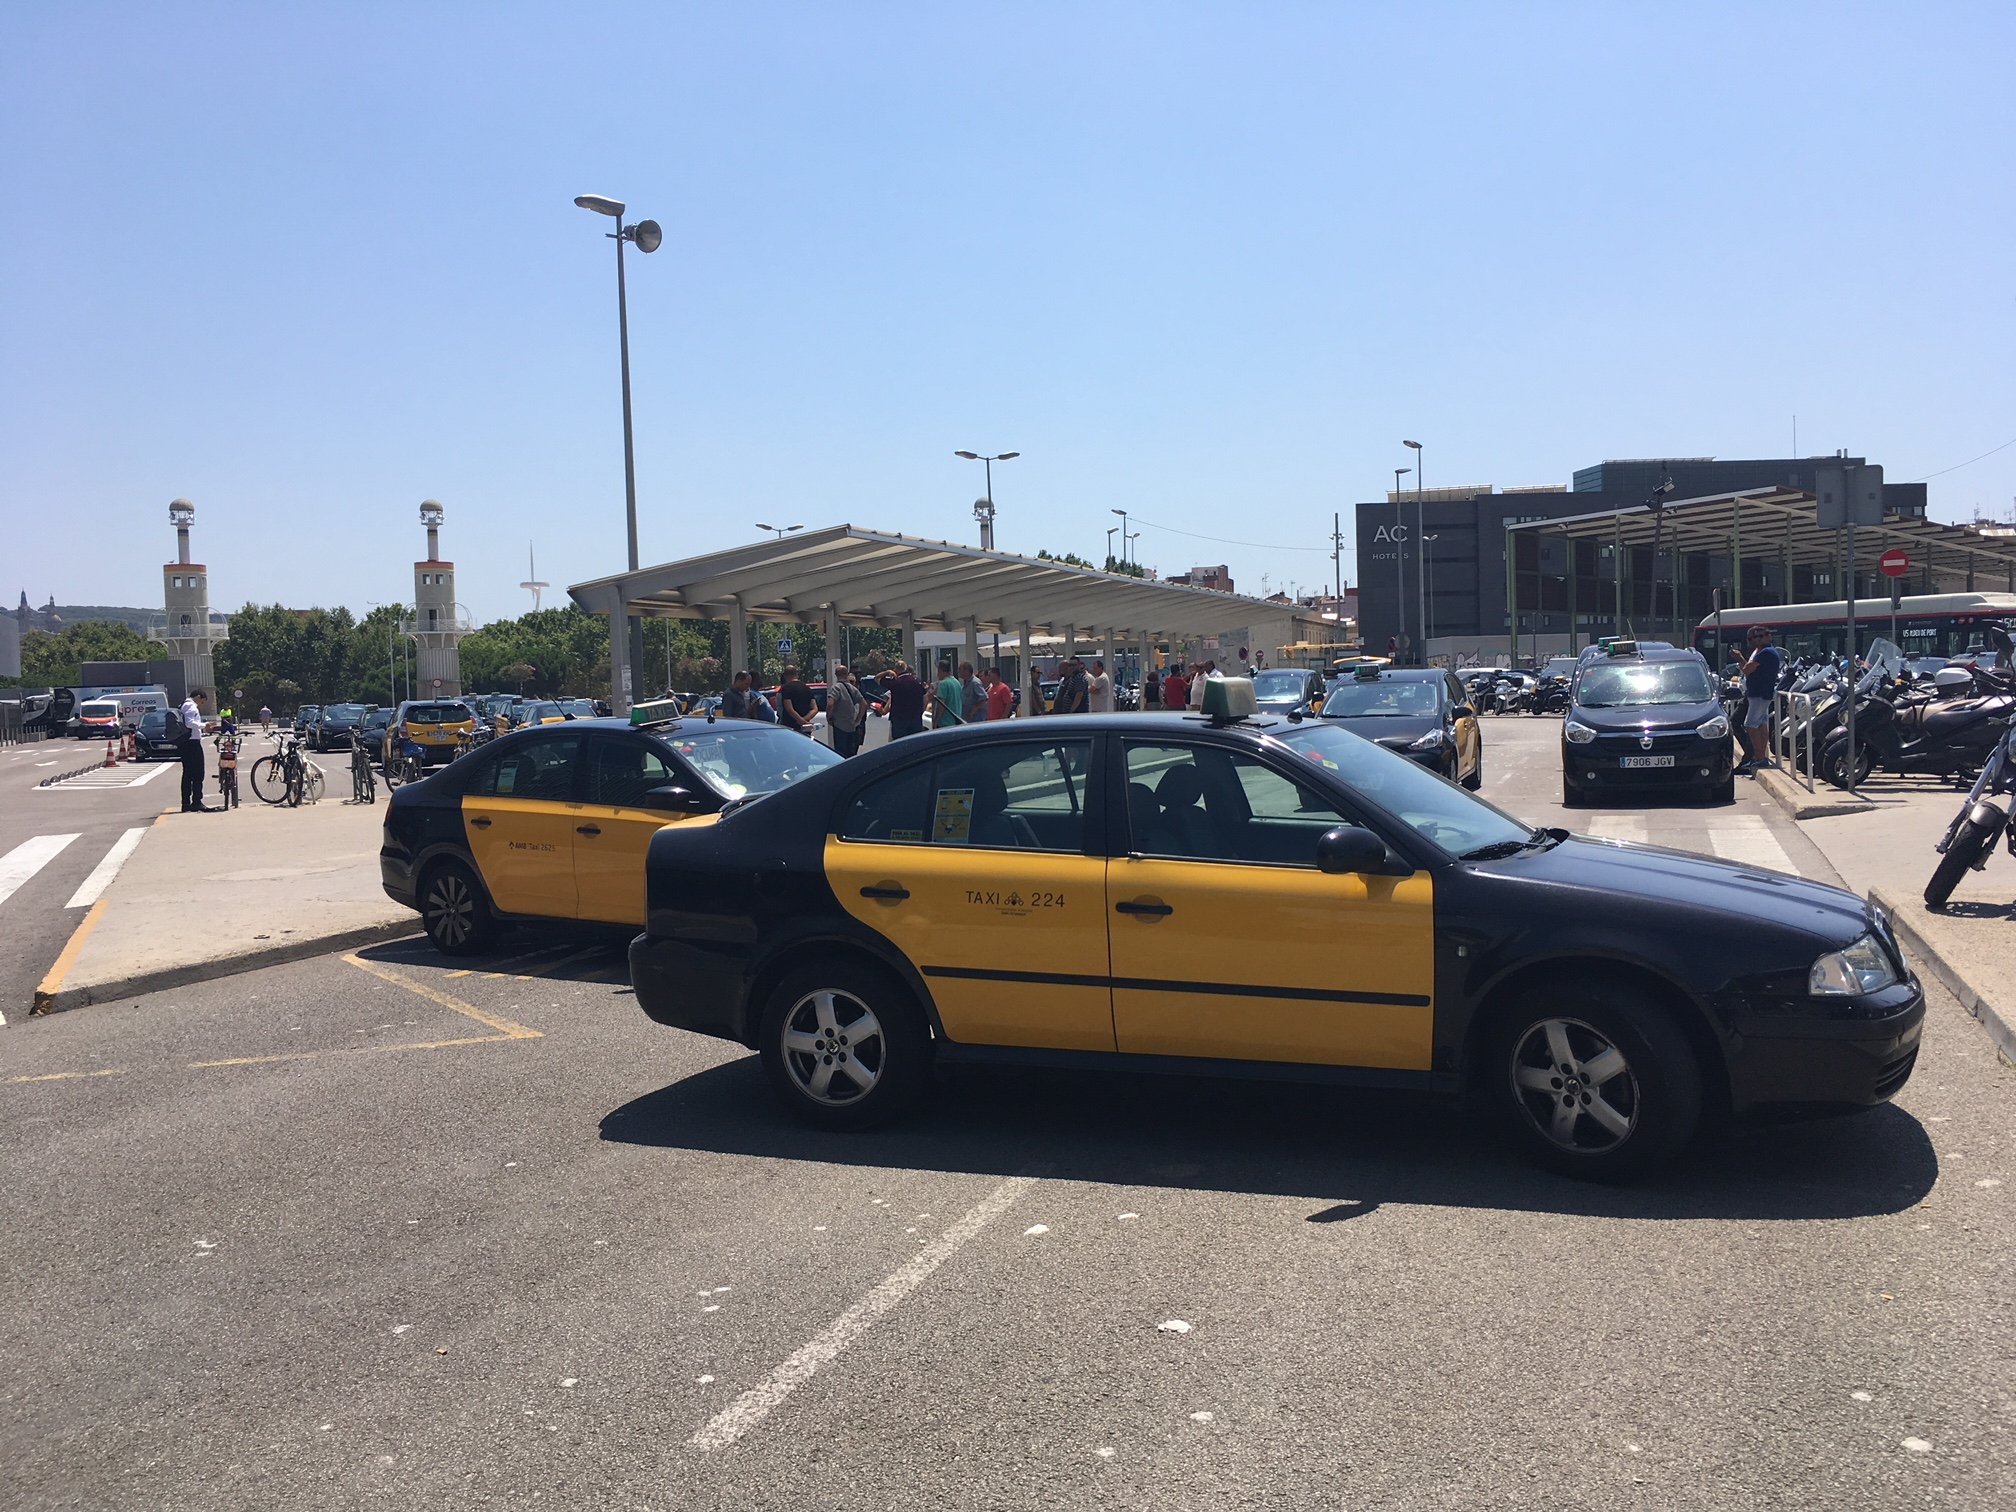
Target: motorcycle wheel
1834, 765
1970, 845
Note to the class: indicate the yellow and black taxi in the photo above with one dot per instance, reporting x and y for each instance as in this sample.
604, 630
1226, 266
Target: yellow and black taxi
1234, 895
436, 726
1645, 717
1421, 712
552, 822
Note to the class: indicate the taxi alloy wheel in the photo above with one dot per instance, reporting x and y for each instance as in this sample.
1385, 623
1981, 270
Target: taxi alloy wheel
1598, 1079
453, 911
845, 1047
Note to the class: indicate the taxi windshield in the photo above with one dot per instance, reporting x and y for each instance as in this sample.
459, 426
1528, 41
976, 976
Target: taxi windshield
754, 759
436, 714
1382, 699
1612, 685
1279, 684
1440, 812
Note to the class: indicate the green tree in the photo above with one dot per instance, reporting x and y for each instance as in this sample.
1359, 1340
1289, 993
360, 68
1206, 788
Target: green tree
56, 661
1068, 559
1131, 569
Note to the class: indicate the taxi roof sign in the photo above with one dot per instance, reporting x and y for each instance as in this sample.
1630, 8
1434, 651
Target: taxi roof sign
1619, 647
656, 711
1228, 699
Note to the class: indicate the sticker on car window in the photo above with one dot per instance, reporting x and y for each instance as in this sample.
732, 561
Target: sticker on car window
952, 819
507, 778
906, 834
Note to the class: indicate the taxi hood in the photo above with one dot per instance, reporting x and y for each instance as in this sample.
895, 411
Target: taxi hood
1683, 886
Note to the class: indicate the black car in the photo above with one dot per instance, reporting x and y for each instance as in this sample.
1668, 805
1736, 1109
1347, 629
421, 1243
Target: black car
334, 724
1278, 690
151, 736
1222, 894
1421, 712
1640, 718
371, 734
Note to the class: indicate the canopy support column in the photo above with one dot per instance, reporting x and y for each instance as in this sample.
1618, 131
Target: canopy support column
619, 657
973, 643
1736, 556
738, 638
1617, 576
910, 641
1112, 657
1573, 546
1511, 598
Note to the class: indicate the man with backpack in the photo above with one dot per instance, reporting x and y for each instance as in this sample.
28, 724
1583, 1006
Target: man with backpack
189, 741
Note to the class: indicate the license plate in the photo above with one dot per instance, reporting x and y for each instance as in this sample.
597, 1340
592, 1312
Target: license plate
1645, 761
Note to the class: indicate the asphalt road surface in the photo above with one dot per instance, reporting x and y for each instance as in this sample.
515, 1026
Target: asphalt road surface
379, 1231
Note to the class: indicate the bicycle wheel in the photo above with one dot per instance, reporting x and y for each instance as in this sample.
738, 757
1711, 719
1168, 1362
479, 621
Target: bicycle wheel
313, 783
269, 779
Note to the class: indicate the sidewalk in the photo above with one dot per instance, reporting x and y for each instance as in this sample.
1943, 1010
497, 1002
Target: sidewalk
210, 895
1880, 841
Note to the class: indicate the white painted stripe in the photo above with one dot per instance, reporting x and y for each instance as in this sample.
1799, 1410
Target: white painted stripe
102, 874
28, 858
750, 1408
1747, 840
1619, 827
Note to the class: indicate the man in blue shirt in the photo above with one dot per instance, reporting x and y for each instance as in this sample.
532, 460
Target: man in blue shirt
1760, 682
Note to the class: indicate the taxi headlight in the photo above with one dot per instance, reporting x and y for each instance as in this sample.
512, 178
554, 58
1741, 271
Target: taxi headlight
1427, 742
1577, 732
1714, 729
1863, 967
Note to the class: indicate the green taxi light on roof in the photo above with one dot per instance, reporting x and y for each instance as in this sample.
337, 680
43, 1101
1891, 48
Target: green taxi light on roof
1229, 698
657, 711
1620, 648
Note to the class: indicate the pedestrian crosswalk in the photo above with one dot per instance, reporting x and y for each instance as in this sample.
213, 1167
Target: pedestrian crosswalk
22, 864
1743, 838
126, 776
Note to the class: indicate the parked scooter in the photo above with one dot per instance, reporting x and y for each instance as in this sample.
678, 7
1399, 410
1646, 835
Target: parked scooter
1550, 694
1970, 839
1902, 731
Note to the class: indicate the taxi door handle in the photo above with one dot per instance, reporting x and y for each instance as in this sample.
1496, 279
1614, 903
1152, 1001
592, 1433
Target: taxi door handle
587, 829
1146, 906
885, 892
480, 823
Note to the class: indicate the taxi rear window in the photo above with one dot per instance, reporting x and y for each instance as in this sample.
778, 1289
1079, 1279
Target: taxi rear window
436, 714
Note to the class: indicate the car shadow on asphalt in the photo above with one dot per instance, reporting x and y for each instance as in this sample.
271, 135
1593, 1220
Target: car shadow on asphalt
1345, 1152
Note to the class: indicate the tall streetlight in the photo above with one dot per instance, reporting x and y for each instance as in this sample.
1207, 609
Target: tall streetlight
782, 530
1421, 552
1124, 537
986, 516
1399, 557
649, 237
1111, 531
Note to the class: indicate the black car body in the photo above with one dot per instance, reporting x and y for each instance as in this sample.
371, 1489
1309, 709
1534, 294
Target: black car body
1421, 712
151, 736
371, 734
1281, 690
1382, 928
334, 725
1643, 719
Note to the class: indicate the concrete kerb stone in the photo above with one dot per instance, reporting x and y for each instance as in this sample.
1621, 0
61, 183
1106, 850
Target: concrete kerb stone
300, 948
1999, 1028
1825, 801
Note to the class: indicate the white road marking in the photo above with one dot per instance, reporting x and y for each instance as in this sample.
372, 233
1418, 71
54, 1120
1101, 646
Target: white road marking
1747, 840
28, 858
1619, 827
102, 874
752, 1406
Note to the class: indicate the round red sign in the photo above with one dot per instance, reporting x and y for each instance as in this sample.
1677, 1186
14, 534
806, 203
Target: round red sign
1895, 562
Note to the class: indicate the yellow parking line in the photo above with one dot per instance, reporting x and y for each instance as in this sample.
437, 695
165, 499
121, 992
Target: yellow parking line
503, 1026
304, 1055
52, 983
507, 961
63, 1076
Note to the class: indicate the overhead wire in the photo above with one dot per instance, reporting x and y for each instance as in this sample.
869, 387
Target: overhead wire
1969, 462
1227, 540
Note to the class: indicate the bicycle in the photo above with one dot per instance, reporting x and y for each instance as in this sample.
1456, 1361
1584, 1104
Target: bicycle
403, 765
227, 770
363, 781
282, 778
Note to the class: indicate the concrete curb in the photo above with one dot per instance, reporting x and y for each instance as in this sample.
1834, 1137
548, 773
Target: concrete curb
300, 948
1823, 802
1999, 1030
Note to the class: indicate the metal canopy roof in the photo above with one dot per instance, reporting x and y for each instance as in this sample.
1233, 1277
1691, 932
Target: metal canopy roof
874, 577
1777, 524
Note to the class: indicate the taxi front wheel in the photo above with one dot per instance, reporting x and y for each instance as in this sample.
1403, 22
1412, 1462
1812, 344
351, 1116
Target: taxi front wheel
1595, 1079
844, 1046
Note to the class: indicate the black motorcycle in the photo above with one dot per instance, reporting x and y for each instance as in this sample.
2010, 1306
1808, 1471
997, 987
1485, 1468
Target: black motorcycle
1902, 730
1550, 695
1970, 838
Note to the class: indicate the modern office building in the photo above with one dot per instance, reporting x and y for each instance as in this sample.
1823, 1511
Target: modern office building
1462, 579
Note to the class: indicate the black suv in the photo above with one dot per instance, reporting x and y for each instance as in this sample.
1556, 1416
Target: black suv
1642, 718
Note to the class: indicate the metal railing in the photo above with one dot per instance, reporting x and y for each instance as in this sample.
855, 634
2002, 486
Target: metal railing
1792, 717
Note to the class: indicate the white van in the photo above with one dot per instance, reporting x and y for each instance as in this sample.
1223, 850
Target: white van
112, 714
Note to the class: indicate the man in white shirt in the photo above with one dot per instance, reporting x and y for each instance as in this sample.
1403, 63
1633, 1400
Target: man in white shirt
1198, 672
192, 754
1101, 687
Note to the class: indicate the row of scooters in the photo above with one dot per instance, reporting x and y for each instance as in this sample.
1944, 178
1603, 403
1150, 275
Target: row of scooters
1519, 693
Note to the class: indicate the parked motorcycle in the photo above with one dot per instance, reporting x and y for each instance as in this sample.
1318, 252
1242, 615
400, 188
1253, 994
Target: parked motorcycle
1970, 838
1902, 731
1550, 695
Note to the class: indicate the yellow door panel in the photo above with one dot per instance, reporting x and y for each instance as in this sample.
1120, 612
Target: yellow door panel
1272, 963
609, 865
524, 848
973, 917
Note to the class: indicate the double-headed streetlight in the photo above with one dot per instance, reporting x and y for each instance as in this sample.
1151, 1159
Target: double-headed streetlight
1421, 555
649, 237
782, 530
983, 509
1399, 556
1124, 536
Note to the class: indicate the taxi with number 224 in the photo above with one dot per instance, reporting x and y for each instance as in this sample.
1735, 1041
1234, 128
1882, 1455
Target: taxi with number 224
1258, 897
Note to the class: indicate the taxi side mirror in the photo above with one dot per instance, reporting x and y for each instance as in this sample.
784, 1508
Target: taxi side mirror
1349, 849
675, 800
1463, 711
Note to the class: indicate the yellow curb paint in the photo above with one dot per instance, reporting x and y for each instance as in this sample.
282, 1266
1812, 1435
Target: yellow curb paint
45, 995
63, 1076
503, 1026
307, 1055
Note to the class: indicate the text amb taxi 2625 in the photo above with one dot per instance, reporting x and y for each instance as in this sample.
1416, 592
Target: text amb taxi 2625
1257, 897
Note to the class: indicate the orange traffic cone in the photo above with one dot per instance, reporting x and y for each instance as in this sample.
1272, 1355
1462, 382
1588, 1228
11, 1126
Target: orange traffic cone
110, 759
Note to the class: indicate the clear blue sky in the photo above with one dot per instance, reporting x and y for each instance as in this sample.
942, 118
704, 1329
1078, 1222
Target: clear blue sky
310, 264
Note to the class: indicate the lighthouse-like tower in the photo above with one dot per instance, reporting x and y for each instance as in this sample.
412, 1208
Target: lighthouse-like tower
190, 635
438, 622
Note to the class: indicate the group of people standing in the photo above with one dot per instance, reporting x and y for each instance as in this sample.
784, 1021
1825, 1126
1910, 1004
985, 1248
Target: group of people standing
1178, 688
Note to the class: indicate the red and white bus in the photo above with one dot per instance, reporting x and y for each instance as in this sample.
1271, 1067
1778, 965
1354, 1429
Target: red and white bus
1929, 624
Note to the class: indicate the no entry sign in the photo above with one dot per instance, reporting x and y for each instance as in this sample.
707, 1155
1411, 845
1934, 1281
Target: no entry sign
1895, 562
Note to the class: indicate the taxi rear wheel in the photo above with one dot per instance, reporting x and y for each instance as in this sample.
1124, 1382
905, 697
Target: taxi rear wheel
1595, 1079
454, 911
844, 1046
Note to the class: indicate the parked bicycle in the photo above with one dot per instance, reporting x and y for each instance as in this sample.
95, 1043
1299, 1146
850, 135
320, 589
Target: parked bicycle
286, 778
227, 770
363, 781
404, 765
